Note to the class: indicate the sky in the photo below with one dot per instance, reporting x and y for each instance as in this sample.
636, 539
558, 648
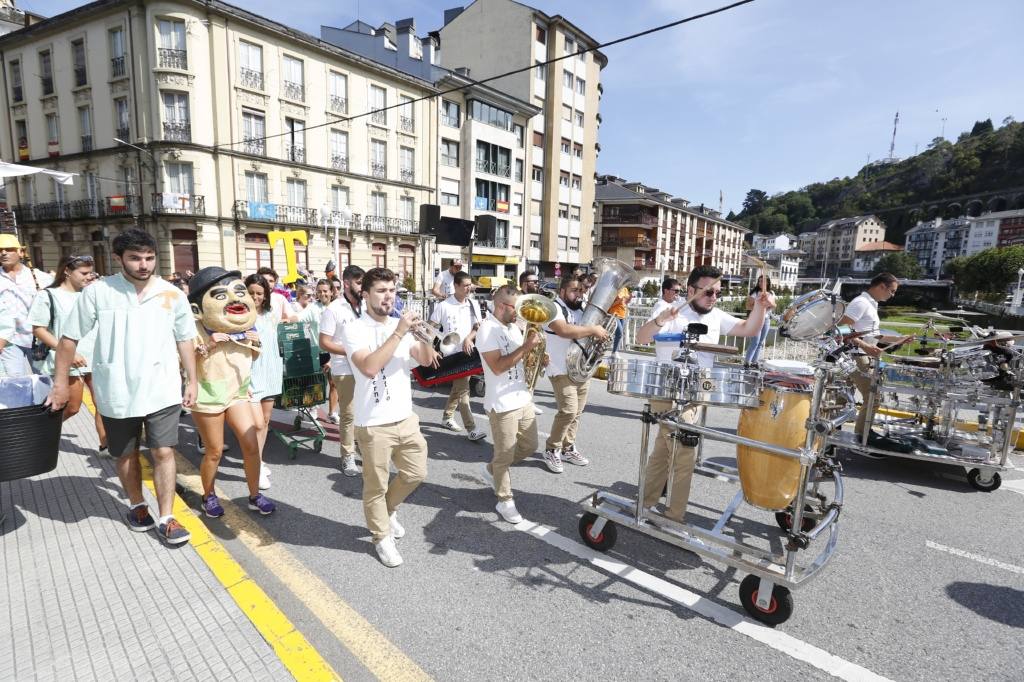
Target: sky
773, 95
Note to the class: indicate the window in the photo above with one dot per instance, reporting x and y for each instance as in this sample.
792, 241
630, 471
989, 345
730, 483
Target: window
561, 243
541, 71
406, 208
491, 196
379, 252
117, 53
378, 102
256, 187
294, 141
296, 192
378, 158
579, 118
449, 153
519, 170
257, 252
85, 127
337, 87
577, 182
294, 82
406, 120
566, 112
577, 150
563, 179
339, 149
490, 158
450, 113
491, 115
176, 117
449, 192
574, 243
570, 46
179, 178
378, 204
538, 174
253, 131
406, 164
52, 129
517, 204
581, 86
542, 35
520, 133
250, 62
78, 62
121, 119
172, 53
565, 146
339, 197
128, 179
46, 72
563, 212
17, 92
567, 79
574, 213
407, 261
538, 139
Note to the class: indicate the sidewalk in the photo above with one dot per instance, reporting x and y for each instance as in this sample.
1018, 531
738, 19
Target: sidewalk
86, 599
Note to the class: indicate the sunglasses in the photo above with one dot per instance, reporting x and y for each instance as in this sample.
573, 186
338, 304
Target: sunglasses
712, 293
75, 261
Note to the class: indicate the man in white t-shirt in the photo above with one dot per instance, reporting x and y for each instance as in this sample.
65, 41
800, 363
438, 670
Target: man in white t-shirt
507, 400
382, 353
570, 396
19, 285
670, 298
340, 312
279, 304
444, 284
704, 287
460, 313
862, 315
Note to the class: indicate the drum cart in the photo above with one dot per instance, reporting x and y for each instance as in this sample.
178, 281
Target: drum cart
814, 512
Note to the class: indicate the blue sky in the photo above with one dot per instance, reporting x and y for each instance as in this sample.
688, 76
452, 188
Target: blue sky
773, 95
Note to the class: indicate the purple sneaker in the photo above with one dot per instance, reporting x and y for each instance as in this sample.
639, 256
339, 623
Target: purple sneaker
211, 506
261, 504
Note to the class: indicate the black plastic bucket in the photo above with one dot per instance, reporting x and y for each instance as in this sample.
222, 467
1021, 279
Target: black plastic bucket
29, 441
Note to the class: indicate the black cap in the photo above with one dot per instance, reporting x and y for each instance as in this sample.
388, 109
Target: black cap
206, 278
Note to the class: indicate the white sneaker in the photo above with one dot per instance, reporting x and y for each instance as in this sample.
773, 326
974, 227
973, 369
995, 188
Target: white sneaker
507, 510
397, 529
264, 483
265, 469
387, 552
553, 460
476, 434
348, 465
451, 425
573, 456
488, 476
537, 410
334, 418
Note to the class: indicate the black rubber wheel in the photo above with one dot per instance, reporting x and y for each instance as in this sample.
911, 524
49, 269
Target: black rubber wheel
985, 485
298, 422
778, 612
318, 446
785, 519
605, 539
477, 387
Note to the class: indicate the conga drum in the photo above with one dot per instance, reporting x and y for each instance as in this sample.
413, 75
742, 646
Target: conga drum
771, 481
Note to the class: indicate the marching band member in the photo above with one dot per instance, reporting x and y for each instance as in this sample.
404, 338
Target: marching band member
507, 398
460, 313
571, 397
444, 283
669, 296
343, 310
529, 282
704, 287
382, 353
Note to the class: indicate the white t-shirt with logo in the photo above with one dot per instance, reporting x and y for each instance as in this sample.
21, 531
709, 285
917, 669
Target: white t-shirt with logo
332, 322
506, 391
718, 321
557, 347
457, 317
863, 310
386, 397
447, 281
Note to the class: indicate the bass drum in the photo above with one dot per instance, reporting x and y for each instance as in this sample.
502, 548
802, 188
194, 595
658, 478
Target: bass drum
811, 316
770, 481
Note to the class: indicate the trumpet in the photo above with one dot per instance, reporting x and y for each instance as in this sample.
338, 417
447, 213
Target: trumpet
537, 310
446, 343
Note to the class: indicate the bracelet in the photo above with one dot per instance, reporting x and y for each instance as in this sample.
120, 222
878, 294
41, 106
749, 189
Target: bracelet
659, 326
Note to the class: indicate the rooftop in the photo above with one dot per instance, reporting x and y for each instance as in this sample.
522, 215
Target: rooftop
874, 247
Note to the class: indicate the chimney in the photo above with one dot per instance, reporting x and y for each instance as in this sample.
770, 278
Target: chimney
450, 14
431, 55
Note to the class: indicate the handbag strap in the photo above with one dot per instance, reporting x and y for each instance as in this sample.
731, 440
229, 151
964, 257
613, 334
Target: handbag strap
50, 295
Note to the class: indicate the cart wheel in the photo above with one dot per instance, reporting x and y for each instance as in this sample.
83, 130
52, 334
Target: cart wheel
605, 539
318, 445
778, 612
785, 519
298, 422
979, 481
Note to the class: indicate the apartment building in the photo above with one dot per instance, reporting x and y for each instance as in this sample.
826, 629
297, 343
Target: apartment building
782, 254
833, 247
936, 242
490, 37
211, 127
659, 234
872, 252
481, 145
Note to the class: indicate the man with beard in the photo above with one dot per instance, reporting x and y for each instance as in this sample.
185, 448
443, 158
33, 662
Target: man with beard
704, 286
529, 282
344, 309
382, 353
19, 285
570, 396
144, 328
460, 313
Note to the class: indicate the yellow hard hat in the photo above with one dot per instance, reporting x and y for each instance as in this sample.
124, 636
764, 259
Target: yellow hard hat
9, 241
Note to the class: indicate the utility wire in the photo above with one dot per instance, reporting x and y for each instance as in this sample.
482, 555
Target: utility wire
524, 69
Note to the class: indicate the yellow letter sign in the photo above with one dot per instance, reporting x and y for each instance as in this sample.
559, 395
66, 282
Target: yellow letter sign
289, 238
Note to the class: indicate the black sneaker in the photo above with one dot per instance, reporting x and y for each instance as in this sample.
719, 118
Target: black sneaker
140, 520
173, 533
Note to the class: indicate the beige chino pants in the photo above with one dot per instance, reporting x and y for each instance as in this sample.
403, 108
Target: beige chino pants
345, 385
459, 398
682, 463
403, 443
515, 439
571, 399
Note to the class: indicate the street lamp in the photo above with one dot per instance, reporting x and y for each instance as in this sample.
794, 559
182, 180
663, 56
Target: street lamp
1016, 294
331, 219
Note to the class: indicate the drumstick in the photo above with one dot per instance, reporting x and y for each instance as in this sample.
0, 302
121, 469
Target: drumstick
701, 291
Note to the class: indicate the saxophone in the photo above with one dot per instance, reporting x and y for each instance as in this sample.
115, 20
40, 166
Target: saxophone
537, 310
585, 354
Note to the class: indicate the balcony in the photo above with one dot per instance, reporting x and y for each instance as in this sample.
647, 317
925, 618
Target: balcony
295, 91
16, 93
499, 243
117, 67
338, 105
47, 83
379, 170
636, 242
177, 131
80, 209
644, 263
389, 225
123, 133
87, 143
486, 204
339, 161
406, 124
492, 167
379, 117
250, 78
275, 213
450, 121
172, 59
295, 153
170, 203
80, 76
255, 147
407, 175
629, 219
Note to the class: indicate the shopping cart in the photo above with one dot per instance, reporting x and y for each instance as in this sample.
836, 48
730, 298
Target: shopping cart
304, 388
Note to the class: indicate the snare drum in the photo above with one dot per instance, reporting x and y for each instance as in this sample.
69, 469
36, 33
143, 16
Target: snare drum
811, 315
723, 386
641, 378
770, 481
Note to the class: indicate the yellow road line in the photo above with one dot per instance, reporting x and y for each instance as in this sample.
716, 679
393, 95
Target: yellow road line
295, 652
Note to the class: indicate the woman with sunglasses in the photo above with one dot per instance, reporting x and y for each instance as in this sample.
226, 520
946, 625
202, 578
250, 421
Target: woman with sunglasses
47, 315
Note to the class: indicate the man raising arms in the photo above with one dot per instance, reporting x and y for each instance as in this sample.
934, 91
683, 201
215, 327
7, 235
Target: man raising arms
144, 328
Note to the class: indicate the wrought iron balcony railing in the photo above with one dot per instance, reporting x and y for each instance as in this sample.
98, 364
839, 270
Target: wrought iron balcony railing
338, 104
16, 93
177, 131
275, 213
493, 167
339, 161
178, 204
406, 124
81, 77
499, 243
123, 133
295, 153
172, 59
47, 83
79, 209
379, 117
379, 170
117, 67
407, 175
87, 143
255, 147
250, 78
295, 91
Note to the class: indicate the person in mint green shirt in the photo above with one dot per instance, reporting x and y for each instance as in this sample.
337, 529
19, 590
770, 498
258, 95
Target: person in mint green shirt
144, 329
49, 310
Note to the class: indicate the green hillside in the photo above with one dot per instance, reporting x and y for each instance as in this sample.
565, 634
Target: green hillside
983, 161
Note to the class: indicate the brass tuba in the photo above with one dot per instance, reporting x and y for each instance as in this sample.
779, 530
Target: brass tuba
585, 354
537, 310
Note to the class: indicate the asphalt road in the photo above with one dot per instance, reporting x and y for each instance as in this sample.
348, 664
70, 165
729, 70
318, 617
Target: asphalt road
927, 582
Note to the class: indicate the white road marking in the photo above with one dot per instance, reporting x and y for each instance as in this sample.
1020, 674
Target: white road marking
975, 557
1016, 485
780, 641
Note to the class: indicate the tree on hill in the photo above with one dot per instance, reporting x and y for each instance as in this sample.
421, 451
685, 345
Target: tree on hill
982, 127
754, 201
991, 270
899, 263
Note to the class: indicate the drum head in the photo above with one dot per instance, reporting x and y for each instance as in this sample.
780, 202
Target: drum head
794, 367
811, 316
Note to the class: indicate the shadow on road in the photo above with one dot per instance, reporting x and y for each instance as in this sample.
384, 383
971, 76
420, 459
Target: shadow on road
996, 602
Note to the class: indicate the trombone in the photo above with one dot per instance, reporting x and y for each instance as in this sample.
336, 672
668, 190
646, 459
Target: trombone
537, 310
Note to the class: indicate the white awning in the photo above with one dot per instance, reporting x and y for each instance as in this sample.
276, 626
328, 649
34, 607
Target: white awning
13, 170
